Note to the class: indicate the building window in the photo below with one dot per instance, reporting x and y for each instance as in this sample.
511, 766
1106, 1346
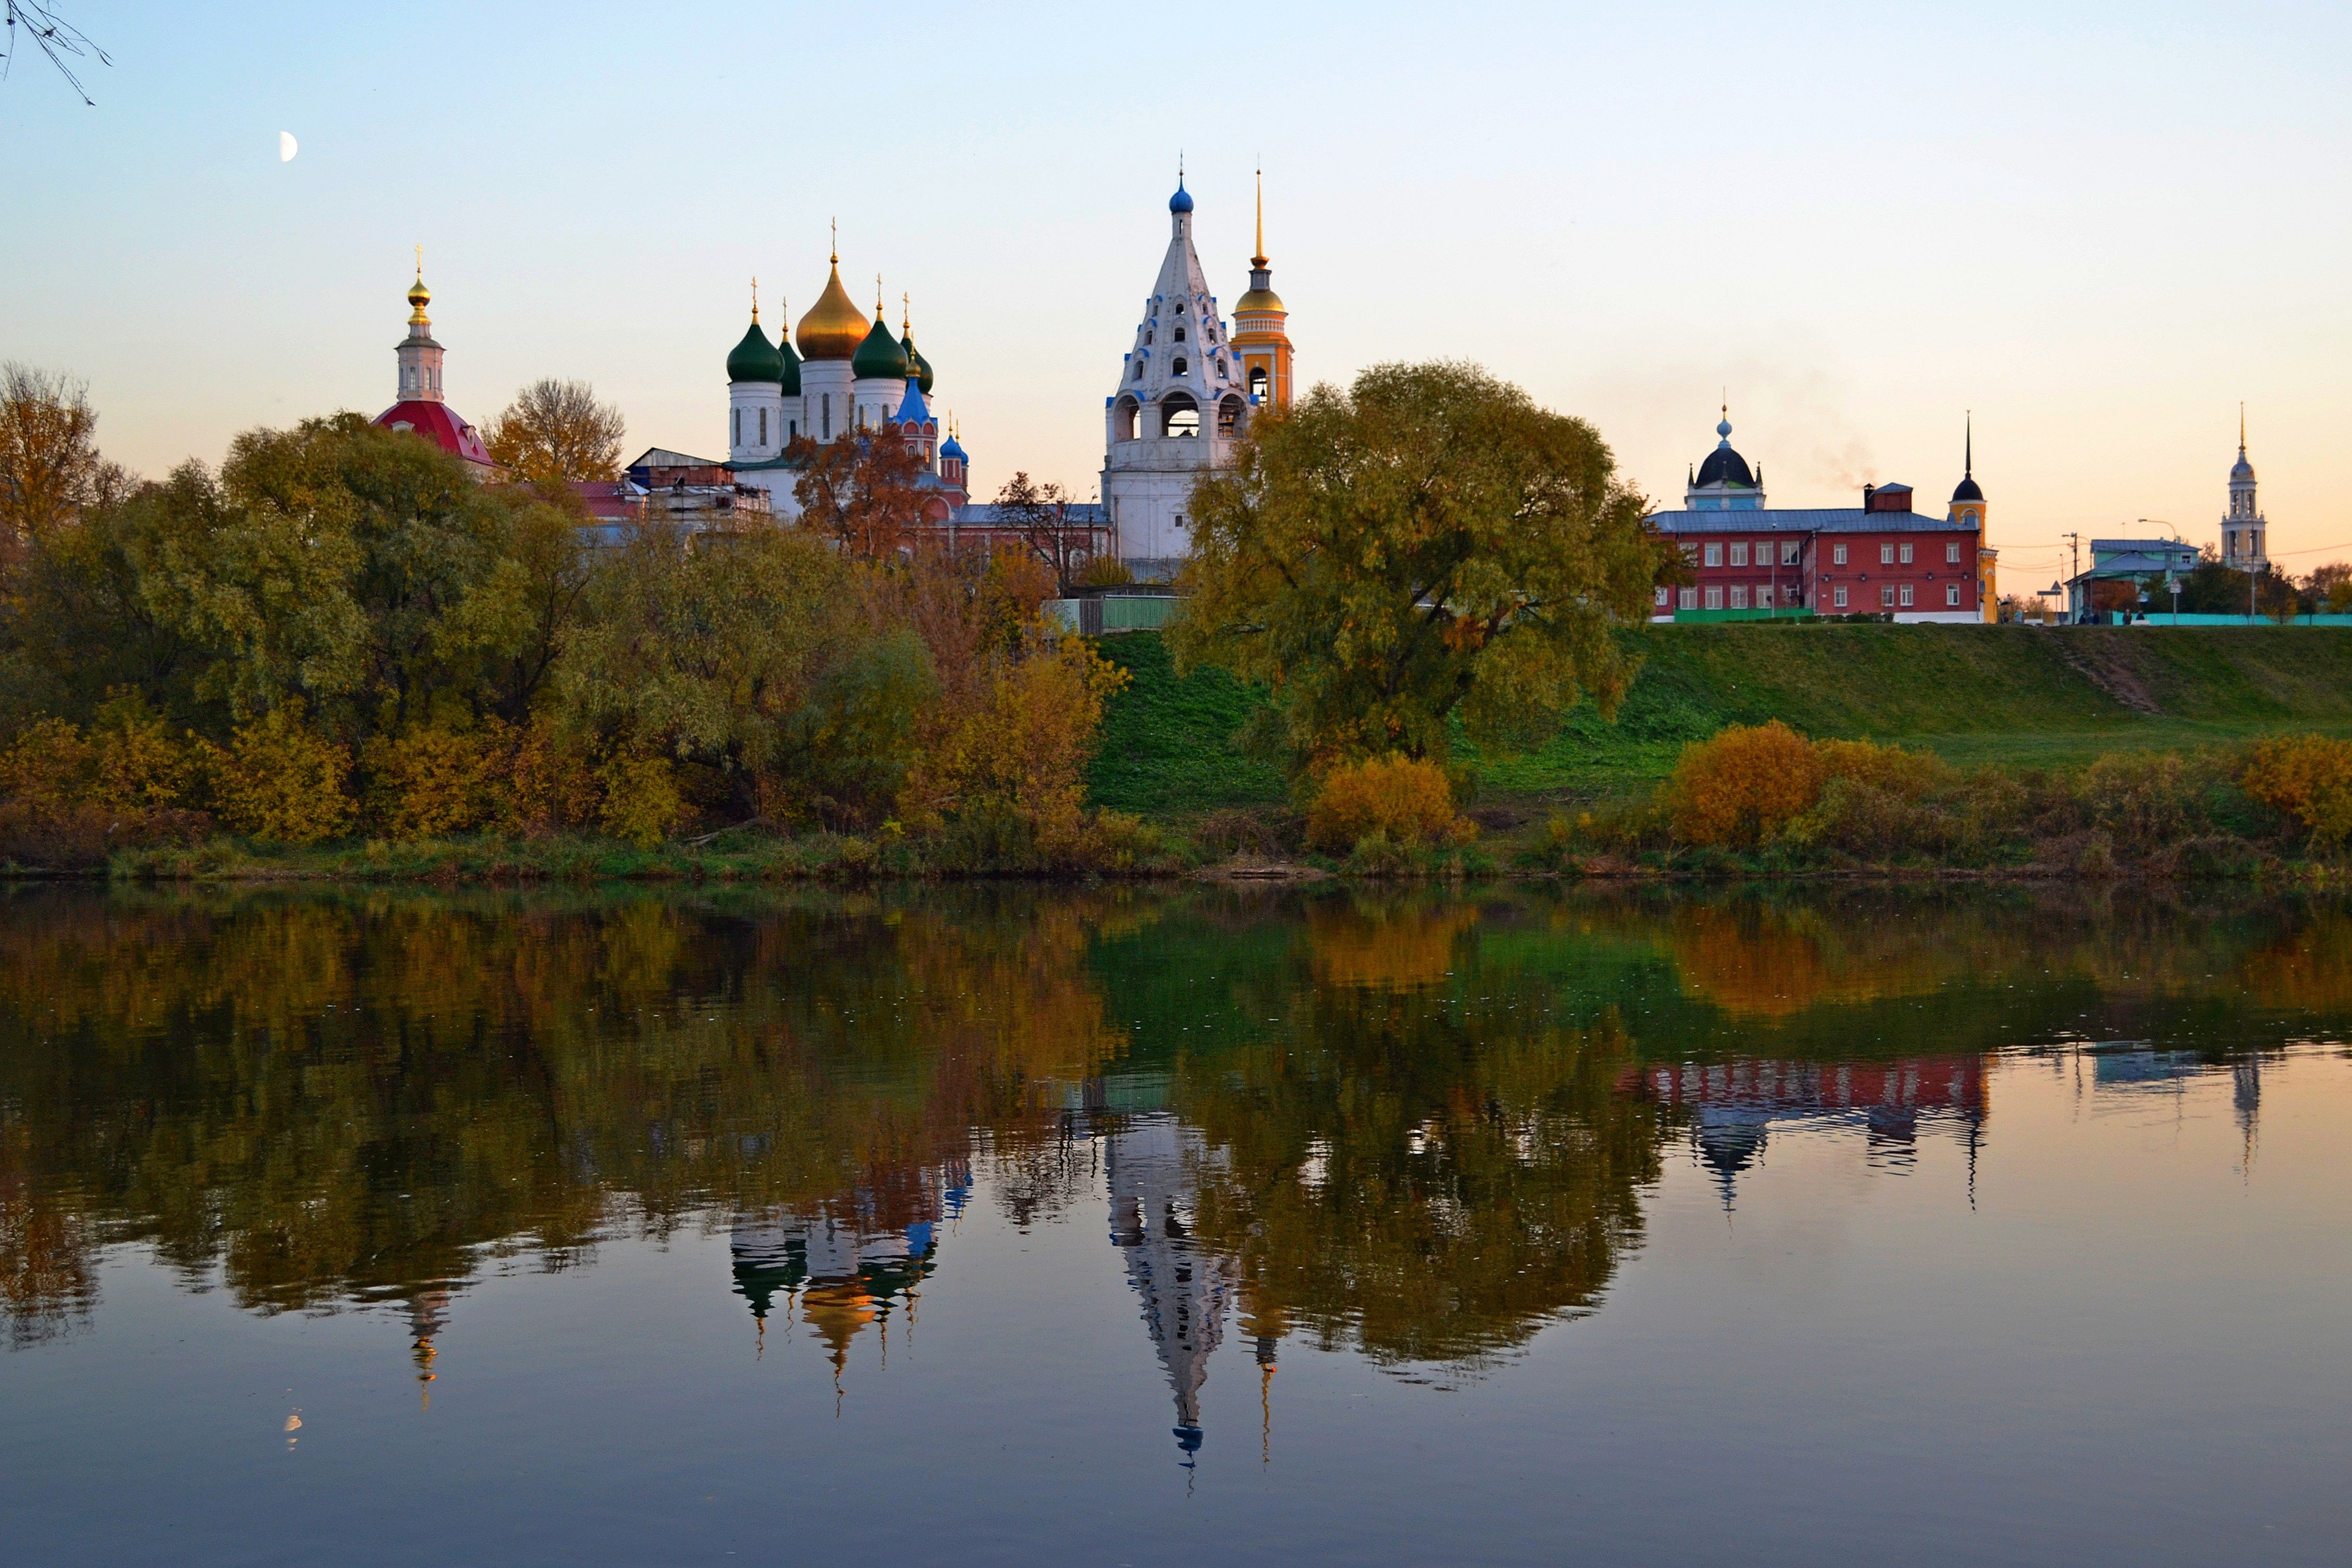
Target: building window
1837, 555
1177, 368
1952, 553
1739, 553
1180, 334
738, 437
1886, 555
1715, 554
792, 431
1887, 595
1690, 553
1788, 553
1841, 592
1952, 595
1715, 598
1662, 595
1147, 336
1257, 386
1906, 552
1739, 595
1689, 599
824, 406
763, 427
1764, 596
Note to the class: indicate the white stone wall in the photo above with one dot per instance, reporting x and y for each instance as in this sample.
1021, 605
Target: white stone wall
825, 384
746, 401
876, 399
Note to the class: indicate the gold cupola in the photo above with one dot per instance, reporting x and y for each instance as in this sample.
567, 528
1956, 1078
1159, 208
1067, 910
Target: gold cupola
834, 327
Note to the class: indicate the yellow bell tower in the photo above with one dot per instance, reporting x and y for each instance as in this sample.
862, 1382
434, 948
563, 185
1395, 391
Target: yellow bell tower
1259, 340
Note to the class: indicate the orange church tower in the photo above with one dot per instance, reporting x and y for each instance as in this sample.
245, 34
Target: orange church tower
1259, 339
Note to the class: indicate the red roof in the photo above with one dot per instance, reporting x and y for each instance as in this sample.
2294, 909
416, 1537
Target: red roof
438, 424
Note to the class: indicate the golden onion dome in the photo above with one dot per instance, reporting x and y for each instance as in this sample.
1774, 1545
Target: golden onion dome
1257, 303
835, 327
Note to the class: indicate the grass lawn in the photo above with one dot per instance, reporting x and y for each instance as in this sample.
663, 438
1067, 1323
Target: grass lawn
1979, 696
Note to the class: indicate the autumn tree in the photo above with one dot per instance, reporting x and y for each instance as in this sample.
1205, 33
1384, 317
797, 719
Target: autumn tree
860, 491
555, 432
49, 464
1426, 544
1040, 515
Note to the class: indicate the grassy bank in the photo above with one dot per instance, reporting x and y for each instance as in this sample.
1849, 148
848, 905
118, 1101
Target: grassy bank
2013, 697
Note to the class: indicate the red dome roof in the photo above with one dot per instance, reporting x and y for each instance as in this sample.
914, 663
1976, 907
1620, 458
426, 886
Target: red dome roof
438, 424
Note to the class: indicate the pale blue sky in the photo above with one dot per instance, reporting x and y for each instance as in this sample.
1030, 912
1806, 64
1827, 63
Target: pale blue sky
2099, 227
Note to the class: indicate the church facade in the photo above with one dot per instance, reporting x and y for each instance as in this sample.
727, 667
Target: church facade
1187, 389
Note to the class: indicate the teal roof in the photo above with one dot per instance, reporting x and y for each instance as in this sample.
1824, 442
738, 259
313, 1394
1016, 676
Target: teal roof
879, 357
754, 359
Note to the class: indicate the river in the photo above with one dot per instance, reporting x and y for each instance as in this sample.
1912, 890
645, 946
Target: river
1135, 1225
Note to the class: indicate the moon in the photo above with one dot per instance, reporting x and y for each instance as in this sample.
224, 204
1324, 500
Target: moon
285, 148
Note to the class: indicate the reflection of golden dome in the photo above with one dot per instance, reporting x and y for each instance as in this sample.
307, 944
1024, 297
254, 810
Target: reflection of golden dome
835, 327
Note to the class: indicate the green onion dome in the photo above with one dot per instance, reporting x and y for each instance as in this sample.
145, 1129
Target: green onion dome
879, 357
791, 377
755, 358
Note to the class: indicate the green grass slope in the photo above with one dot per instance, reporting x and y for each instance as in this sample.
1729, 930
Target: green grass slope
2010, 696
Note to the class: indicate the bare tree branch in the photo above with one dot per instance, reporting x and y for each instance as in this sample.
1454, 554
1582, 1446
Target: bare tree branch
55, 36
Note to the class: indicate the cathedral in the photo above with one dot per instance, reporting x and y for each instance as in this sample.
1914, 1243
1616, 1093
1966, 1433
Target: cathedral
1186, 391
849, 376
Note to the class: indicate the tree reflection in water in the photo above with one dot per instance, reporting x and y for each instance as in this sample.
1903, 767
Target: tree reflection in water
1417, 1127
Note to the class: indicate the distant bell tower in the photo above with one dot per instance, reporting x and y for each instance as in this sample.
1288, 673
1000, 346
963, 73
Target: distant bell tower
2245, 535
1968, 499
1259, 338
420, 356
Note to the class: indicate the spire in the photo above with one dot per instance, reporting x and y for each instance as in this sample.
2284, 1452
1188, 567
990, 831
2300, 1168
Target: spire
1257, 258
755, 299
2241, 426
1968, 444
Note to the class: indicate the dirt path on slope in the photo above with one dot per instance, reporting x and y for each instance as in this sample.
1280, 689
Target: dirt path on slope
2101, 661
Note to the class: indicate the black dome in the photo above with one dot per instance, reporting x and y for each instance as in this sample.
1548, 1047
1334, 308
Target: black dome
1724, 466
1968, 492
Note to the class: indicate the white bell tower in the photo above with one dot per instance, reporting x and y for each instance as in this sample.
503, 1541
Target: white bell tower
1180, 406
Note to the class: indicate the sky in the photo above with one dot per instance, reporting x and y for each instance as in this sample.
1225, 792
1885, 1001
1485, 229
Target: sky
2096, 228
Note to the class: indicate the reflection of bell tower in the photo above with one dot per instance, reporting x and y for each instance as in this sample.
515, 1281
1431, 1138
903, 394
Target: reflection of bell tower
1184, 1290
428, 1314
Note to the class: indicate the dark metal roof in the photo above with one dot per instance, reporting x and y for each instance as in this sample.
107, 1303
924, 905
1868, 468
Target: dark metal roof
1805, 520
1724, 466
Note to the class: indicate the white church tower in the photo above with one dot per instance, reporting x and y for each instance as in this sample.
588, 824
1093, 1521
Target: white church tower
1180, 406
2245, 535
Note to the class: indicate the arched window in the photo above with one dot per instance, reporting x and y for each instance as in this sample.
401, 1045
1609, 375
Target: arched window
1259, 385
738, 427
1138, 370
1122, 420
1180, 334
1180, 416
1147, 335
763, 427
1177, 367
1230, 416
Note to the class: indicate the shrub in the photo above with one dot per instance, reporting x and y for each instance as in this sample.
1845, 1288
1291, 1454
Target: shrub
435, 781
1744, 785
138, 765
2309, 778
1230, 830
2143, 802
641, 804
552, 784
1406, 801
1116, 841
281, 781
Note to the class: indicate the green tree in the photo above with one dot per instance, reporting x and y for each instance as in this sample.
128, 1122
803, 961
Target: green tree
335, 562
1426, 543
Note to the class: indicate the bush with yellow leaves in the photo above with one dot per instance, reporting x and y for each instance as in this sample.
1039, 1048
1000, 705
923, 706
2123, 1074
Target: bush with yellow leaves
281, 781
432, 781
1744, 784
2309, 778
1406, 801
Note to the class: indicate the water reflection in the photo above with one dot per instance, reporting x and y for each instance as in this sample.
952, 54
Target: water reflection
1416, 1128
